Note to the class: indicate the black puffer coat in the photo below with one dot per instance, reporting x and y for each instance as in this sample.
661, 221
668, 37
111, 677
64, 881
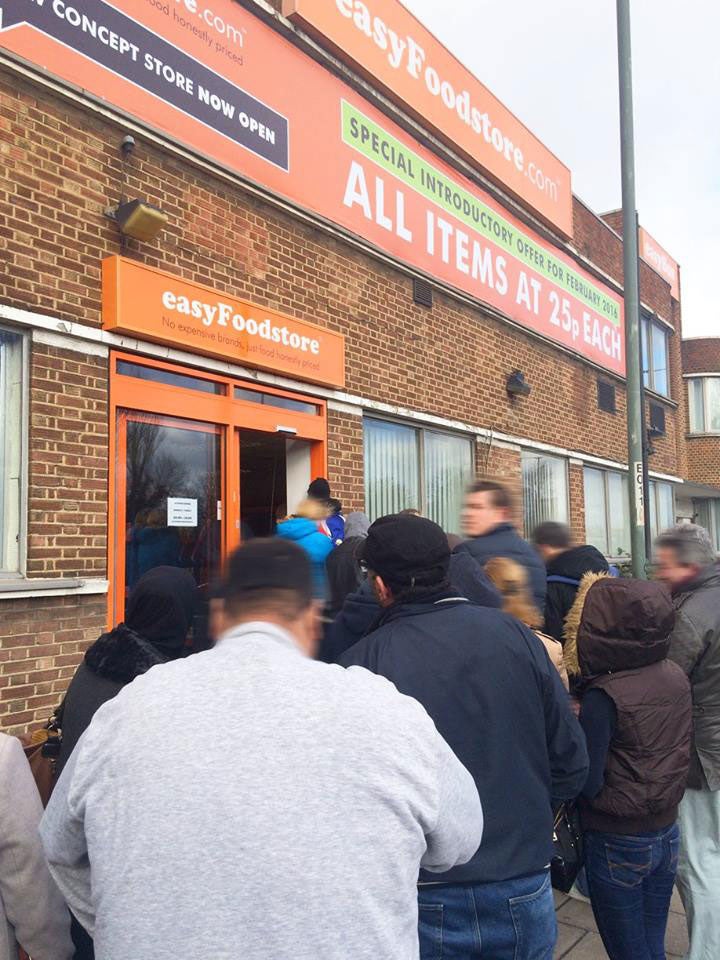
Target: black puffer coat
113, 661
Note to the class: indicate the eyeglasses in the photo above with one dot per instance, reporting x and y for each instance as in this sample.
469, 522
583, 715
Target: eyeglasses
363, 566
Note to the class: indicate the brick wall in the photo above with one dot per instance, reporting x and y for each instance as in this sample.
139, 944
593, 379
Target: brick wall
68, 494
345, 460
701, 355
577, 502
62, 169
41, 642
452, 360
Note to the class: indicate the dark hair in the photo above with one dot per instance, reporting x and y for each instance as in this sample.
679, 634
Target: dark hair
268, 576
402, 593
287, 604
335, 506
501, 496
552, 534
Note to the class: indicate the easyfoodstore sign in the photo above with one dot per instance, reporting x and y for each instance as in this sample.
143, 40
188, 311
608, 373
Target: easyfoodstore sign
266, 111
387, 43
155, 305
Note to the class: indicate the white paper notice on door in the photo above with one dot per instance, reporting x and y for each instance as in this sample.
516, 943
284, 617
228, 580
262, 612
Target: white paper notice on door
182, 512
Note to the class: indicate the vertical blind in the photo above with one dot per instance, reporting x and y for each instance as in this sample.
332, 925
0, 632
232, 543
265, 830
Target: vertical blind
411, 468
448, 468
545, 491
607, 510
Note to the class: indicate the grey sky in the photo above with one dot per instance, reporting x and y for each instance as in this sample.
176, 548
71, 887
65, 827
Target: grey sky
555, 65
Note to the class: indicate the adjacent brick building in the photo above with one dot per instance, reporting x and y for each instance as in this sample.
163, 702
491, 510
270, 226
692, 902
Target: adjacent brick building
120, 450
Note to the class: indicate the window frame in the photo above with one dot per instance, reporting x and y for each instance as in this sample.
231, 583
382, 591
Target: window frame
705, 408
649, 328
21, 572
420, 430
606, 473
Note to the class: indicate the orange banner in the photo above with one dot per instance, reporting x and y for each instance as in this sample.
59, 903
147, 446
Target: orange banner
653, 254
394, 49
155, 305
223, 83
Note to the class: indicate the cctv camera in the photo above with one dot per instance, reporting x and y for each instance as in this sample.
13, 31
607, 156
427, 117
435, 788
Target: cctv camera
127, 145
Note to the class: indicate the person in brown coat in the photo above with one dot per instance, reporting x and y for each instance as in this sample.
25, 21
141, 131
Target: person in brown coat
636, 711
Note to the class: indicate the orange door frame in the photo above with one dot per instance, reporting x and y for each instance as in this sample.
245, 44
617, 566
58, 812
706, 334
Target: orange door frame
182, 406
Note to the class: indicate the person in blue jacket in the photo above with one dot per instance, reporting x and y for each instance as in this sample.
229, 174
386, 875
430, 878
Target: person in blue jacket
304, 528
486, 522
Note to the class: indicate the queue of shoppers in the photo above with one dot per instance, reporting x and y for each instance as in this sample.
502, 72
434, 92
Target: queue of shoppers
370, 760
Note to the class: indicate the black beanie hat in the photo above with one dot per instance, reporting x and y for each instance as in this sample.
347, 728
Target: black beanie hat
319, 489
407, 551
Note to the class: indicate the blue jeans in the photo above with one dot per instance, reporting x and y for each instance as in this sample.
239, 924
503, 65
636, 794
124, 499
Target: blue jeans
512, 920
631, 883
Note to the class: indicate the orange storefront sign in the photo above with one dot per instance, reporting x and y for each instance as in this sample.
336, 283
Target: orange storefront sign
155, 305
393, 48
661, 261
228, 86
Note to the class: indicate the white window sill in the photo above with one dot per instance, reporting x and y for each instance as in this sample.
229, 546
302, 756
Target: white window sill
17, 588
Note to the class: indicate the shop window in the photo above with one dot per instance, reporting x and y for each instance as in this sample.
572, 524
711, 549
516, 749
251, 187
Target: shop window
662, 507
411, 468
607, 512
704, 400
545, 490
11, 451
707, 515
655, 357
170, 378
275, 400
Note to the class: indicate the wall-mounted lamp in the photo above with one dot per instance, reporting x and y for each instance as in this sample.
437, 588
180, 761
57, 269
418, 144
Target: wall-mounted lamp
135, 218
517, 385
139, 219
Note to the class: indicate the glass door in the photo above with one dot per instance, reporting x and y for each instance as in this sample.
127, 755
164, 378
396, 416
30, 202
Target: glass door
170, 509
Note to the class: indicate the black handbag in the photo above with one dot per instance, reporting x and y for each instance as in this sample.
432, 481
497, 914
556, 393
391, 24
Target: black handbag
568, 848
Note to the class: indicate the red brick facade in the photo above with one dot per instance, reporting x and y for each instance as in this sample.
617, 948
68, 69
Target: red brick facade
702, 355
62, 170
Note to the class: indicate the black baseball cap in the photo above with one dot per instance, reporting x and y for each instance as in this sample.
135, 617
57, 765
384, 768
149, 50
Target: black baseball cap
405, 550
268, 564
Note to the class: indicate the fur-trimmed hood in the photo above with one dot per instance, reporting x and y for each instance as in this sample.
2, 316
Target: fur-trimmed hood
121, 655
572, 622
617, 625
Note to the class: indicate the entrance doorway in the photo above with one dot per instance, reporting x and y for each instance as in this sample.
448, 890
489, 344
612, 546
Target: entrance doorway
274, 475
201, 461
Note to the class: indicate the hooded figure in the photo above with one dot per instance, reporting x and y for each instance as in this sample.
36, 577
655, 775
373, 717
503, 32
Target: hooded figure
637, 716
343, 564
159, 614
160, 611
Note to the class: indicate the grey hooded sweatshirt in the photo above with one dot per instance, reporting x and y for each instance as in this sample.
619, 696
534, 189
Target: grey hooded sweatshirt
250, 802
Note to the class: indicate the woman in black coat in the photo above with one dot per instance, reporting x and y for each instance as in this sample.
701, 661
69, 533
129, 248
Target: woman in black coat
159, 615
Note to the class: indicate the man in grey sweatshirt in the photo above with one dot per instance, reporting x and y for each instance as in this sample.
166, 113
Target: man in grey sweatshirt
251, 802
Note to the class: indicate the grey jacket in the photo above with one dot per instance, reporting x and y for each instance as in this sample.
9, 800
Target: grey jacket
695, 646
250, 802
32, 912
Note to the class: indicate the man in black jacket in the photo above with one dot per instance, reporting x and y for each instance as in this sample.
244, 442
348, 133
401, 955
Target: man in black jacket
496, 699
486, 521
566, 566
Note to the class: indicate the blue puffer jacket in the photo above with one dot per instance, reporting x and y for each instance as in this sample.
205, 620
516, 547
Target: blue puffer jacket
317, 546
505, 541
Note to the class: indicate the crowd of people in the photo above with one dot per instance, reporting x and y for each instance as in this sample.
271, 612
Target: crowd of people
369, 760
